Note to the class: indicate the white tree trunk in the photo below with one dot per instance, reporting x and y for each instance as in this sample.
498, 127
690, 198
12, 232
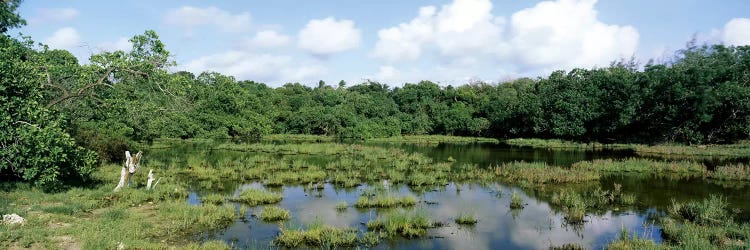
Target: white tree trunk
150, 179
131, 165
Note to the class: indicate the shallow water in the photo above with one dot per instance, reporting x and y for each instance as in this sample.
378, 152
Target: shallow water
537, 226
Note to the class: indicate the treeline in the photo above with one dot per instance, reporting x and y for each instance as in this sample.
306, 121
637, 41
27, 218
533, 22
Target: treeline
701, 96
52, 104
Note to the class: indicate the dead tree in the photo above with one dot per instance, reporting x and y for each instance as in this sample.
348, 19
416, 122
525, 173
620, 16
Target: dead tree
132, 163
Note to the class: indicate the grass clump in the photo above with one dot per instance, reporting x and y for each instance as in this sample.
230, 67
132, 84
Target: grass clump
342, 205
215, 199
466, 219
317, 235
734, 172
626, 241
385, 201
568, 246
254, 197
515, 201
432, 139
541, 173
407, 224
706, 224
640, 165
274, 213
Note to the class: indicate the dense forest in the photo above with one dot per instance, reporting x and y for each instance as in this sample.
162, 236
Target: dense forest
58, 114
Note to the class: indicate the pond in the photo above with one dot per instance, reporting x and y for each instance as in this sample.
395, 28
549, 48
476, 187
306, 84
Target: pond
538, 225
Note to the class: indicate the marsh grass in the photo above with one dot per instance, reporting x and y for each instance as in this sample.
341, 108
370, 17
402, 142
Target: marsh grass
317, 235
628, 241
515, 201
254, 197
385, 201
432, 139
213, 198
274, 213
541, 173
575, 205
562, 144
733, 172
342, 205
466, 218
640, 165
409, 224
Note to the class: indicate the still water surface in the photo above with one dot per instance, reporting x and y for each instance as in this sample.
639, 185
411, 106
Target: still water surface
537, 226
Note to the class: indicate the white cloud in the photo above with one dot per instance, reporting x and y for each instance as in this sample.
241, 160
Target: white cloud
387, 73
551, 34
736, 32
405, 41
323, 37
259, 67
121, 44
268, 39
54, 15
567, 33
65, 38
190, 17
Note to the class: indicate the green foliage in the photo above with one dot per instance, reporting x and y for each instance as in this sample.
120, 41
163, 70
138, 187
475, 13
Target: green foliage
35, 146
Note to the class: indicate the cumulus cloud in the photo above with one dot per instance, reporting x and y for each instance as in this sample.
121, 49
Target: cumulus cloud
49, 15
268, 39
260, 67
567, 33
189, 17
121, 44
324, 37
736, 32
65, 38
387, 73
551, 34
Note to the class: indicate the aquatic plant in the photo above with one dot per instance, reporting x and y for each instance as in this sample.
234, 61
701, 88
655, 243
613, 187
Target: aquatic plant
342, 205
515, 201
215, 199
466, 218
254, 197
274, 213
627, 241
385, 200
317, 235
541, 173
409, 224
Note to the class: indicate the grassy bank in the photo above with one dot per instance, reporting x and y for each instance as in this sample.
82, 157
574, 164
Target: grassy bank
97, 218
665, 150
432, 139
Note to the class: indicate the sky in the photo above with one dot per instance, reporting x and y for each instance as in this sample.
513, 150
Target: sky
390, 41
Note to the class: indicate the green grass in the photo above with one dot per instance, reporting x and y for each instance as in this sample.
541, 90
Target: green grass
562, 144
317, 235
215, 199
385, 200
342, 205
627, 241
732, 172
515, 201
638, 165
432, 139
97, 218
409, 224
706, 224
254, 197
541, 173
466, 218
274, 213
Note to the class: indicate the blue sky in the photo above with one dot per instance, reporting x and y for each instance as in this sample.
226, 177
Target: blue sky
391, 41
